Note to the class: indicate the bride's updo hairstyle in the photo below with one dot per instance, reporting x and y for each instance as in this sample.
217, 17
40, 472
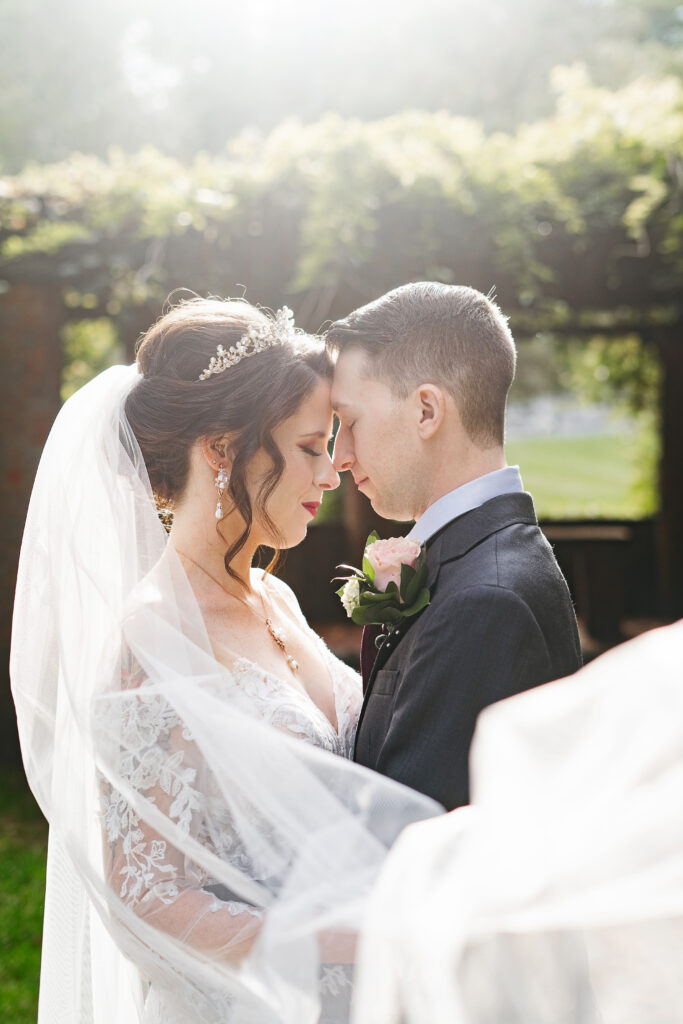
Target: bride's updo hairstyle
170, 408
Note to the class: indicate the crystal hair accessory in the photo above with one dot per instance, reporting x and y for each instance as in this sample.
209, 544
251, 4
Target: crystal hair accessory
277, 331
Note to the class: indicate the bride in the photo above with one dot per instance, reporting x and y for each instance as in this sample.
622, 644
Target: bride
184, 731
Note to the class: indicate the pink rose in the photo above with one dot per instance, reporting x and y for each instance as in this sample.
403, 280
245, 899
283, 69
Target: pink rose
387, 556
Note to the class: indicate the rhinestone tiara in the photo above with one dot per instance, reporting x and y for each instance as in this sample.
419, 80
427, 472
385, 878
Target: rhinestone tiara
277, 331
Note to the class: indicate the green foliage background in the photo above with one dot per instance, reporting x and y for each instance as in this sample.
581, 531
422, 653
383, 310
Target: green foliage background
78, 76
576, 220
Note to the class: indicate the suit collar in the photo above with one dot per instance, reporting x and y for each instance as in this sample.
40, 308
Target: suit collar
465, 498
466, 531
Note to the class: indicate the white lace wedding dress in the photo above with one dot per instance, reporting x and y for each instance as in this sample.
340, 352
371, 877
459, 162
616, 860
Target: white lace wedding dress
288, 708
158, 759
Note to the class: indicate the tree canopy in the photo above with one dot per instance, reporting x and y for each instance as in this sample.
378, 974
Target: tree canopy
576, 219
78, 76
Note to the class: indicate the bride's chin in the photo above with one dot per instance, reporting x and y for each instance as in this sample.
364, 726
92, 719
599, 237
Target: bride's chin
292, 540
289, 538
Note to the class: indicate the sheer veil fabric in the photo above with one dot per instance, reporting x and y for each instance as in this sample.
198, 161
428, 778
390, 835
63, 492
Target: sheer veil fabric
557, 896
203, 866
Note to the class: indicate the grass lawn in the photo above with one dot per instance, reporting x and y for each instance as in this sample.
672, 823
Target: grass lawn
23, 843
579, 477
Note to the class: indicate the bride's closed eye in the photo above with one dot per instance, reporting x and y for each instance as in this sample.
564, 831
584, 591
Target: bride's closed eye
309, 451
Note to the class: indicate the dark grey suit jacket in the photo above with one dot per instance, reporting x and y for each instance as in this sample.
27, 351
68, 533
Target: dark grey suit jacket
500, 621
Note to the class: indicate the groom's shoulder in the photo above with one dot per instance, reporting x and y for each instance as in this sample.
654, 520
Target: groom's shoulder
507, 520
498, 544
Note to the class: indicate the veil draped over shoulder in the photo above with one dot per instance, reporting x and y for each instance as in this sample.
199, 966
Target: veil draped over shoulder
202, 865
557, 897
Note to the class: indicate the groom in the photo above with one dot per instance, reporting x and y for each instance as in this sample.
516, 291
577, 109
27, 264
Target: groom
420, 387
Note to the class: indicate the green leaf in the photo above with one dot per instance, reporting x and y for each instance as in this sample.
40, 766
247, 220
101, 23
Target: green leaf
374, 614
368, 615
421, 602
358, 615
367, 567
371, 597
407, 576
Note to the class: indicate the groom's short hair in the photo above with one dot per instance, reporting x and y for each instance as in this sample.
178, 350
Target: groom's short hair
448, 335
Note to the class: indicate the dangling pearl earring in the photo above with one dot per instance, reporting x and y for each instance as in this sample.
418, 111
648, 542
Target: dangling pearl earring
221, 482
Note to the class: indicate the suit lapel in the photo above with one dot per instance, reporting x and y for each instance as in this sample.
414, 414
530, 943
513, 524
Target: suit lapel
368, 652
453, 541
393, 637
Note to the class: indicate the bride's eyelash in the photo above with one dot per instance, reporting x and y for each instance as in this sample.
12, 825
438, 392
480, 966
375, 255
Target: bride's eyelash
309, 451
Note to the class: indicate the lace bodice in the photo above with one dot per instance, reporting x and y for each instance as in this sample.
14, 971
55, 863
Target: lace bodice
286, 707
154, 753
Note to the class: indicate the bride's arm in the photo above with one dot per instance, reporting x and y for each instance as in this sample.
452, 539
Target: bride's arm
147, 872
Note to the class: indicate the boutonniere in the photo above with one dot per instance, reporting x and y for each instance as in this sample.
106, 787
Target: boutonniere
390, 586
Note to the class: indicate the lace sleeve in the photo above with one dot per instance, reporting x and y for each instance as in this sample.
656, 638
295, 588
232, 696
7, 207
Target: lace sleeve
157, 767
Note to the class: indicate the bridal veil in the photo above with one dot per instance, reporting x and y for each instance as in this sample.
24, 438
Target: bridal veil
557, 897
202, 865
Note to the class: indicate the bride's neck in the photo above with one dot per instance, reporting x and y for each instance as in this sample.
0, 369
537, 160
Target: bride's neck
195, 533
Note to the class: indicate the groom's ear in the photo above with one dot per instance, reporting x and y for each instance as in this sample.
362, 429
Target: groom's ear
430, 402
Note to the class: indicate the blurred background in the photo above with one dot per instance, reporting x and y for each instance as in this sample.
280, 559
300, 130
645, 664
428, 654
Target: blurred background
318, 154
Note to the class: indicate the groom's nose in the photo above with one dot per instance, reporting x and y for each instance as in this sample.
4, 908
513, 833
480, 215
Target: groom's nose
343, 457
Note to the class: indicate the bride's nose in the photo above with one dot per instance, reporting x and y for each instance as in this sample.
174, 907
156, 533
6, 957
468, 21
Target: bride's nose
328, 477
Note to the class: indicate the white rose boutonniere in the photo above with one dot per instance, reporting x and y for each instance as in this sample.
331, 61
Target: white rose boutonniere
391, 584
350, 595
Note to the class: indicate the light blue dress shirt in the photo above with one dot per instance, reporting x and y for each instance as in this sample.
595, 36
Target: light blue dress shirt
464, 499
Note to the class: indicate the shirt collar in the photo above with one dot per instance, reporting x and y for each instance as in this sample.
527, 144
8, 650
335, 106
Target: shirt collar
464, 499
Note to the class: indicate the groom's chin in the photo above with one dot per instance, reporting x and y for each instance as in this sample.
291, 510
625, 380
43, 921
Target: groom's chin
388, 510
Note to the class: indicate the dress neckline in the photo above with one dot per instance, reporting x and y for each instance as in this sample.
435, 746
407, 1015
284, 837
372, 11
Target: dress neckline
300, 692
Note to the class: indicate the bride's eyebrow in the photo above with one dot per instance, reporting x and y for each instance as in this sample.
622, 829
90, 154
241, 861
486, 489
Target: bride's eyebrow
322, 434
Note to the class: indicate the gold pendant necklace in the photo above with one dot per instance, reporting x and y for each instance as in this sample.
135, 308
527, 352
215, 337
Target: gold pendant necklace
277, 634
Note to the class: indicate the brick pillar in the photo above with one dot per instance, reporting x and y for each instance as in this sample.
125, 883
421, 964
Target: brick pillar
30, 320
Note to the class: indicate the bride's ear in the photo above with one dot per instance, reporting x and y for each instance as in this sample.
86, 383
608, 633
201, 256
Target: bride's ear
216, 451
